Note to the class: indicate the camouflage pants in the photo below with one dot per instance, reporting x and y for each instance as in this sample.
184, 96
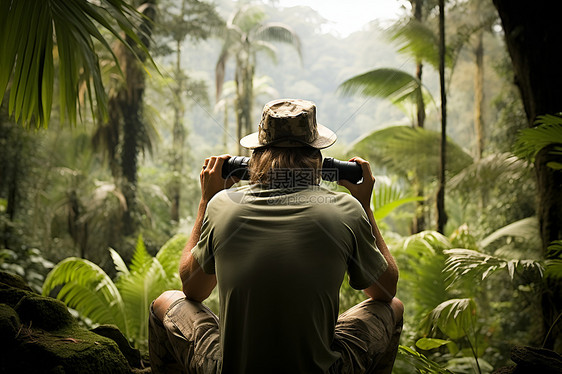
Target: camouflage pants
187, 341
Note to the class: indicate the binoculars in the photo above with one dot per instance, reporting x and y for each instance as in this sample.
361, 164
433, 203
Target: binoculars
332, 169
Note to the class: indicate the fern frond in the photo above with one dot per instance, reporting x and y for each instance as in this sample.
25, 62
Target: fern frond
89, 290
138, 290
169, 257
141, 259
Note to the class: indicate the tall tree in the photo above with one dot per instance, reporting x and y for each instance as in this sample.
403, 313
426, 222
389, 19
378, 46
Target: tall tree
245, 36
125, 134
532, 33
197, 20
440, 200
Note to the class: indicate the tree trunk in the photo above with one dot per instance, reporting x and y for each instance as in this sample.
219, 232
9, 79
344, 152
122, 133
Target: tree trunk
532, 34
440, 201
419, 215
178, 140
131, 107
479, 94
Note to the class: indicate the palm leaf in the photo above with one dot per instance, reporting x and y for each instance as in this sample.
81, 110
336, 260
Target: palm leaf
27, 59
247, 17
421, 363
277, 32
527, 229
456, 318
422, 263
388, 197
547, 134
479, 266
386, 83
416, 39
492, 169
89, 290
403, 150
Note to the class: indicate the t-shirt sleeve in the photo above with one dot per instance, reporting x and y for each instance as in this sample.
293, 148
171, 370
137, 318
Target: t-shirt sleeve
203, 250
366, 263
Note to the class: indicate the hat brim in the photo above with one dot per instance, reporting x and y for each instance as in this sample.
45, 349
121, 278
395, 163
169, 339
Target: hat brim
326, 138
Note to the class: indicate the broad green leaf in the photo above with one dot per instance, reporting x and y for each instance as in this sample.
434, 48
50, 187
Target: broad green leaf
431, 343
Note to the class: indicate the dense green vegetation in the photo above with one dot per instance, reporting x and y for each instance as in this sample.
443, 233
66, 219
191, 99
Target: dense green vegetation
99, 162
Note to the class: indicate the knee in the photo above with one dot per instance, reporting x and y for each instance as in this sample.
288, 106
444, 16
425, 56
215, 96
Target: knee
398, 308
163, 302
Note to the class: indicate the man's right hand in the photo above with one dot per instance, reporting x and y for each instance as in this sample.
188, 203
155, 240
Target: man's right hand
211, 177
364, 190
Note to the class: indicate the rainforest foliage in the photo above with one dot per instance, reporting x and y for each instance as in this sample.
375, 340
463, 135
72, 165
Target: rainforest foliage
108, 109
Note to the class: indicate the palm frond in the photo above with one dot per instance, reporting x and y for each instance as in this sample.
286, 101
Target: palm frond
403, 149
455, 318
422, 263
27, 59
266, 48
479, 266
278, 32
421, 363
89, 290
547, 134
417, 40
492, 169
527, 229
386, 83
388, 197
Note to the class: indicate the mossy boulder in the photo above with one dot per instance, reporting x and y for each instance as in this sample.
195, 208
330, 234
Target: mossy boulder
39, 335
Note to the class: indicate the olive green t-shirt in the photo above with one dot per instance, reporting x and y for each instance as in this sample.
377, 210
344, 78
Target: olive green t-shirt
280, 257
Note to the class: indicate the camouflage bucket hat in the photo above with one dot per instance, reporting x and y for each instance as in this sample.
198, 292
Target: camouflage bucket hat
289, 123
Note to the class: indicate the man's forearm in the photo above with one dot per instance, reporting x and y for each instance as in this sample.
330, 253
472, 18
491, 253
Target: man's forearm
389, 279
196, 284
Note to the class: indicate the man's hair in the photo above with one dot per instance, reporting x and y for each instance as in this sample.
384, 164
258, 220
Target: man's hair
273, 165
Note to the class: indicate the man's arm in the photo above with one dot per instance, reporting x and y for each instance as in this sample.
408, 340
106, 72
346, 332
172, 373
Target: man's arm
198, 285
384, 288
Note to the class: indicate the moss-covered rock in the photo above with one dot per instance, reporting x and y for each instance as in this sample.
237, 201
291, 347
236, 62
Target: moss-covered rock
39, 335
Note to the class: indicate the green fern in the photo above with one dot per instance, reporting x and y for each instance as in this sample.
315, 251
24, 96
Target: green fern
89, 290
124, 302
